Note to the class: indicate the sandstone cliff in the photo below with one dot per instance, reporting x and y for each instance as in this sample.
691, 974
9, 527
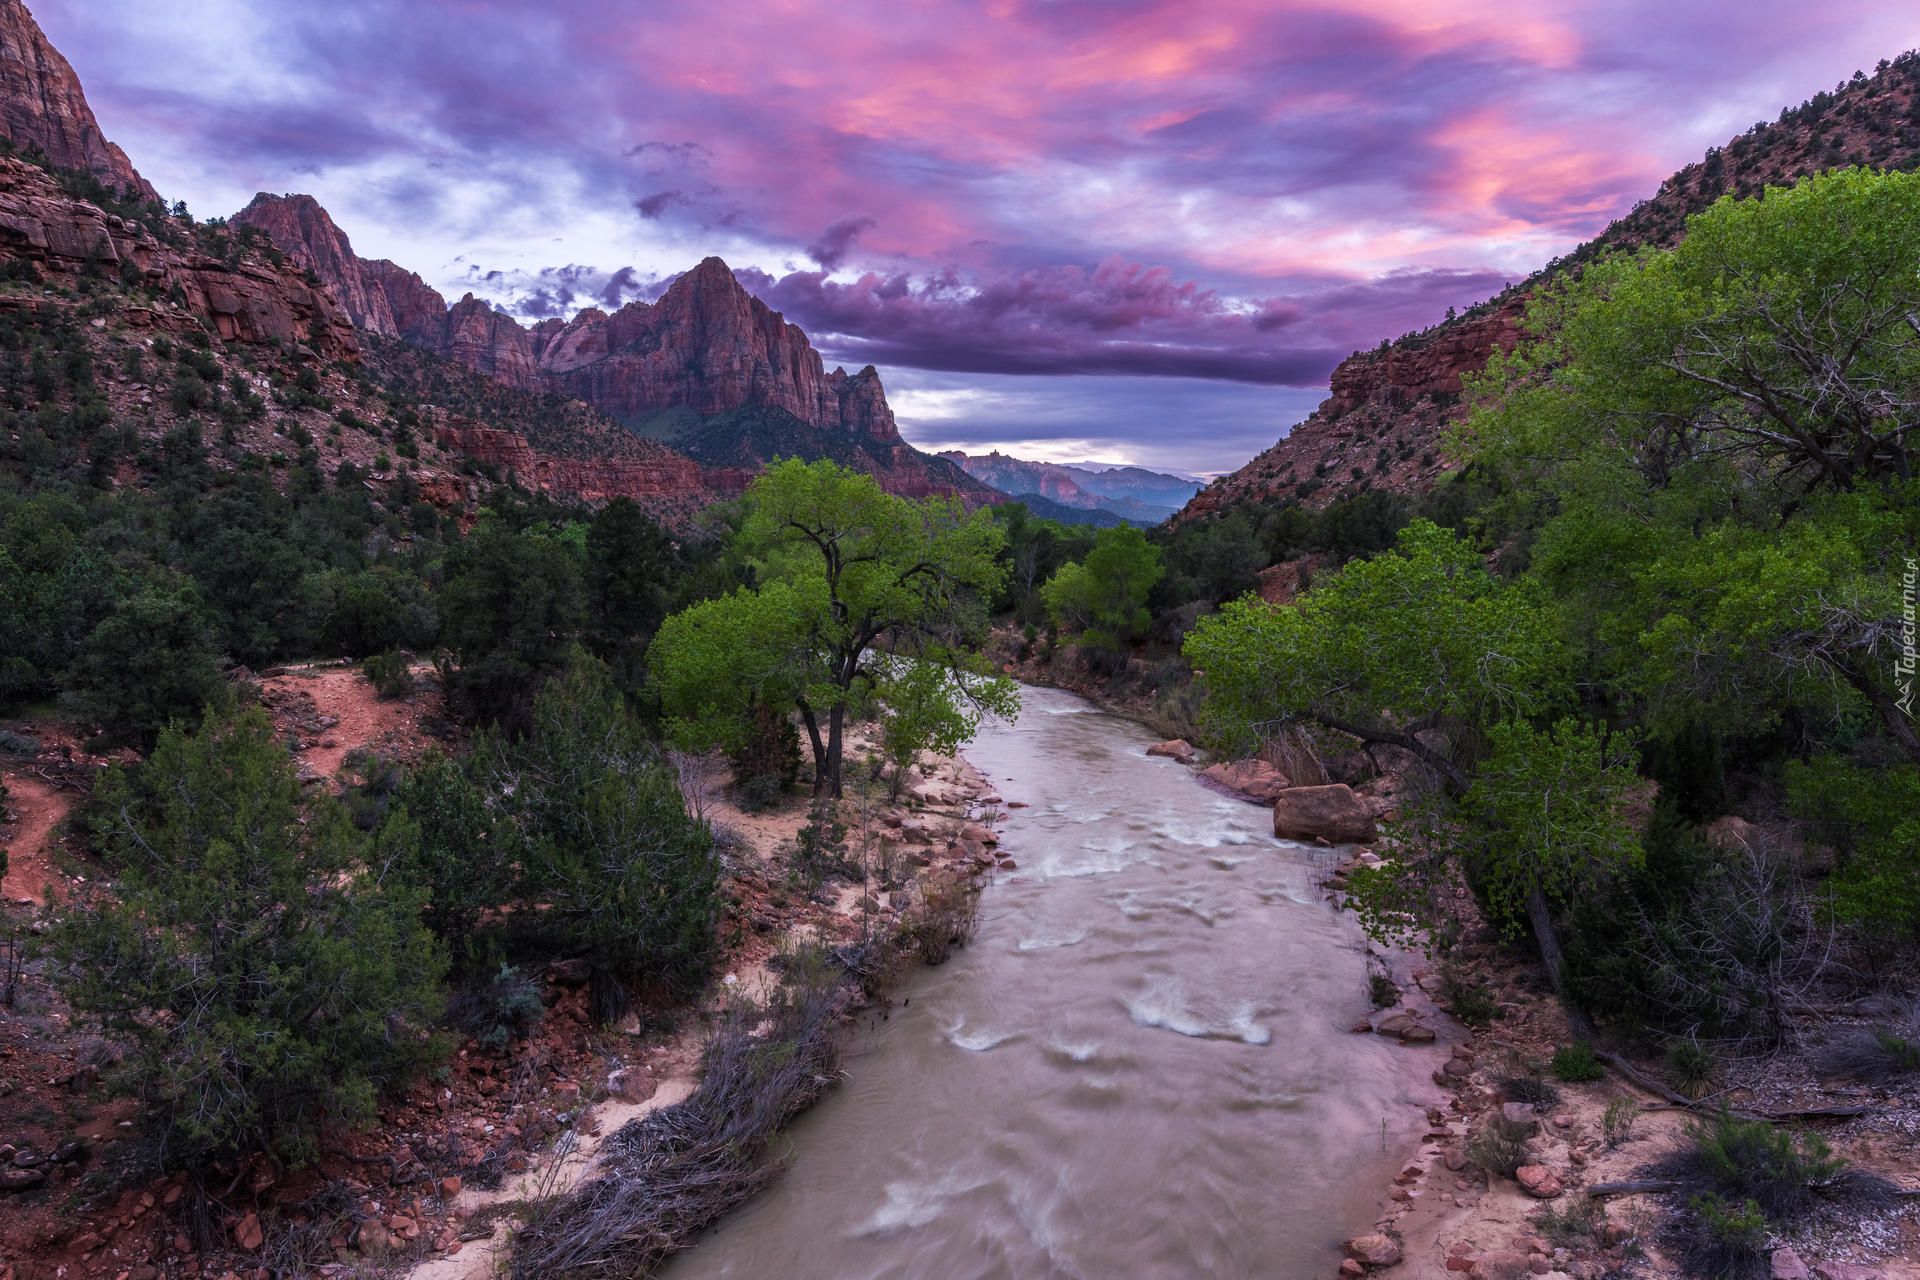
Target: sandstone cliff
41, 105
186, 289
709, 367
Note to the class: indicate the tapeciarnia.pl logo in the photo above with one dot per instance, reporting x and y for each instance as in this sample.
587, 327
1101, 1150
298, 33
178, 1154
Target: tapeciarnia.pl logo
1903, 665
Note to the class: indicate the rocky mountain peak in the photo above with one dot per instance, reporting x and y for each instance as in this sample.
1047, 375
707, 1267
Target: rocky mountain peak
42, 105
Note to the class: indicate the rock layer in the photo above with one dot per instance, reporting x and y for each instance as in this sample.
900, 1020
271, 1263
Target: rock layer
251, 302
41, 105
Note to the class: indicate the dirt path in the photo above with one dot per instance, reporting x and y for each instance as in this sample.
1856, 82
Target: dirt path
39, 808
335, 710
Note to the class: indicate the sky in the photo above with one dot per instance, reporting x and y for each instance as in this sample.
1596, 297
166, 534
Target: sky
1131, 230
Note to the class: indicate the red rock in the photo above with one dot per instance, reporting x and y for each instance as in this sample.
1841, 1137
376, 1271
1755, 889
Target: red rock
1348, 1267
1173, 749
1374, 1250
1538, 1181
1254, 780
1459, 1264
41, 104
1786, 1265
247, 1234
1332, 813
1502, 1264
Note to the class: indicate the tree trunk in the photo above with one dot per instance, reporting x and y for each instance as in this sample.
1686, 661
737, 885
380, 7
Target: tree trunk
1540, 916
819, 747
835, 744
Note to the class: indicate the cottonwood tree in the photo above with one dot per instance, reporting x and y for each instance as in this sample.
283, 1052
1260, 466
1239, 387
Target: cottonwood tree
1717, 443
1103, 598
845, 567
1421, 648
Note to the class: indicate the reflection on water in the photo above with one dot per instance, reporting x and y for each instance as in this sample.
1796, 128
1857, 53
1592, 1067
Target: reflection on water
1139, 1068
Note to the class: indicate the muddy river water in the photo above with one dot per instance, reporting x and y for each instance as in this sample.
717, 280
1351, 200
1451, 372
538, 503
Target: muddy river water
1139, 1068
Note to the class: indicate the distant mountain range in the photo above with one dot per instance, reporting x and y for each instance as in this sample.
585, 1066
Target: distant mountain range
1134, 494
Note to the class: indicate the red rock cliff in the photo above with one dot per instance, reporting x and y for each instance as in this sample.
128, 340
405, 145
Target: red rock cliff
305, 232
41, 105
251, 302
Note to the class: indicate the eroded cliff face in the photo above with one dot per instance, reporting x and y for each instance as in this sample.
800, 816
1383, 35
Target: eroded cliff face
251, 302
666, 483
307, 234
41, 105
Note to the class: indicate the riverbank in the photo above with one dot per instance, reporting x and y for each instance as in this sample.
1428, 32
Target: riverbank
940, 827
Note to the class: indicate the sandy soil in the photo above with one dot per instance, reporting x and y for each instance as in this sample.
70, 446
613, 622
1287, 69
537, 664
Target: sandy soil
38, 807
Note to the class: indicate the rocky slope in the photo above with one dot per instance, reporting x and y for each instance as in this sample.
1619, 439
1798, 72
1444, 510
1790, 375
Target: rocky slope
42, 106
709, 368
175, 285
1382, 425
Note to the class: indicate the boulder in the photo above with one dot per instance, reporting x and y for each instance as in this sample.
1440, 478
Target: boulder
1787, 1266
1331, 813
1253, 780
1502, 1264
1174, 749
1538, 1181
632, 1084
12, 1180
1374, 1250
248, 1234
1402, 1025
1522, 1114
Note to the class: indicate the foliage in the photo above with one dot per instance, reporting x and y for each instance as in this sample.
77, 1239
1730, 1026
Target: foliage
1725, 1240
390, 673
612, 867
845, 565
1576, 1064
269, 982
1617, 1121
923, 710
500, 1008
149, 663
461, 854
511, 604
1382, 991
1692, 1065
1103, 598
1500, 1147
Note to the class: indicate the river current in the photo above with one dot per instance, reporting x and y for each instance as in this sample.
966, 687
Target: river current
1139, 1068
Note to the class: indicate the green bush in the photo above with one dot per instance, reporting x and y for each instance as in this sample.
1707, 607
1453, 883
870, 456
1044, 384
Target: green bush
391, 674
1382, 991
1726, 1241
623, 876
268, 982
1575, 1063
499, 1009
760, 793
1500, 1147
1471, 1002
1692, 1066
1754, 1161
461, 854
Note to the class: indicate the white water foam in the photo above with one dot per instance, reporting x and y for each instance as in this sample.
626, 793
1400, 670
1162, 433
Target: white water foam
1163, 1004
978, 1040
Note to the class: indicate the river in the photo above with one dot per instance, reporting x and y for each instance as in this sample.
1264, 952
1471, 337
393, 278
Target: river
1139, 1068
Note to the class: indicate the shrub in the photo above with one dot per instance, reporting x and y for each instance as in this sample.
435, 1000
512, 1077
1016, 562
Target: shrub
1692, 1066
1616, 1123
1500, 1147
1724, 1241
623, 876
1870, 1056
758, 794
499, 1009
1574, 1223
1471, 1002
1528, 1084
1575, 1063
1754, 1162
1382, 991
391, 674
268, 982
941, 918
459, 854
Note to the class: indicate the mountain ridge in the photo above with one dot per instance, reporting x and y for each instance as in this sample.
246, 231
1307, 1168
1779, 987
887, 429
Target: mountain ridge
707, 345
1387, 411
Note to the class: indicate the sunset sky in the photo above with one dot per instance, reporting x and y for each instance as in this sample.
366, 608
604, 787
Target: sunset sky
1132, 230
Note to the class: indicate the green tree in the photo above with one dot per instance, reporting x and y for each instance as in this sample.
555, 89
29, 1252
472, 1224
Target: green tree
856, 568
148, 664
612, 867
270, 984
509, 614
630, 567
921, 712
1104, 597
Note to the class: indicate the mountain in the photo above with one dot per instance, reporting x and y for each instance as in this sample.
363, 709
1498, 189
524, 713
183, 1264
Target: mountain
42, 106
1048, 509
1383, 423
709, 368
1133, 493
